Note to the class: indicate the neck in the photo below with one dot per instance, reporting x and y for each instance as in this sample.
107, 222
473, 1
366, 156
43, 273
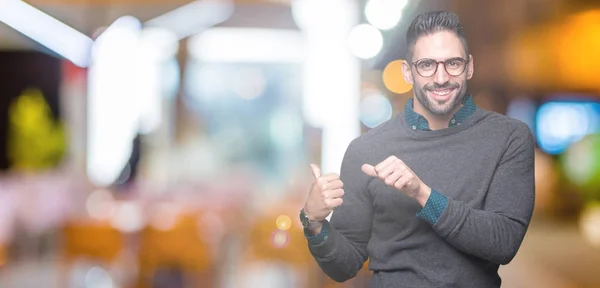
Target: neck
435, 122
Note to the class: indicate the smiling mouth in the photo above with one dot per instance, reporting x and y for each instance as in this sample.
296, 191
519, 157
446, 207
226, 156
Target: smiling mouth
441, 92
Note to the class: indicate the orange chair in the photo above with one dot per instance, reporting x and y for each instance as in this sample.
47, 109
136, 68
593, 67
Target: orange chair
289, 246
267, 243
3, 257
93, 240
181, 247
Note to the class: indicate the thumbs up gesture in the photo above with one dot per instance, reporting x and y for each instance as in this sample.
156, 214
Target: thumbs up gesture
325, 195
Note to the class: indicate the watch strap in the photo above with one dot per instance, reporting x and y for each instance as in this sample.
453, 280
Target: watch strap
306, 223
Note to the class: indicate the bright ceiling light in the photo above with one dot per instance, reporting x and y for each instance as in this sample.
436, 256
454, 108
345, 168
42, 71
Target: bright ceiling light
365, 41
46, 30
194, 17
384, 14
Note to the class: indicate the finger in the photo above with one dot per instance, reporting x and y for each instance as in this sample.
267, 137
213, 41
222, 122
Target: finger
379, 167
337, 193
330, 177
388, 170
369, 170
393, 178
402, 183
337, 184
333, 203
316, 171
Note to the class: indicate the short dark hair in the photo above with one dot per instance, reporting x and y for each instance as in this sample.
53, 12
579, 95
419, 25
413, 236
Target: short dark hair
431, 22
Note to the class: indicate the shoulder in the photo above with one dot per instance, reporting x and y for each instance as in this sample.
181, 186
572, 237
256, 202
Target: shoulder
514, 134
505, 126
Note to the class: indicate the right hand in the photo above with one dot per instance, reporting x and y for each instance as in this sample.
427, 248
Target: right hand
325, 195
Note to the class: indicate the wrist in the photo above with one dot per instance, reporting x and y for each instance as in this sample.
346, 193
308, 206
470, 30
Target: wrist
318, 235
315, 229
423, 195
309, 222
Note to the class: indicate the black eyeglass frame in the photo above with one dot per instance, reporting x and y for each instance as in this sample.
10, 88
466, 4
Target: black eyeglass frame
438, 65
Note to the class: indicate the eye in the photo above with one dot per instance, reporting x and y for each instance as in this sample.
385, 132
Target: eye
454, 63
426, 64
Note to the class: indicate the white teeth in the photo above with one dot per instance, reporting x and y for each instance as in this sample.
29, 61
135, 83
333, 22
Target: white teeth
441, 93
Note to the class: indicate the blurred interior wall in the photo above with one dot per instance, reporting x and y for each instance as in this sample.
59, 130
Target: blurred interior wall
21, 70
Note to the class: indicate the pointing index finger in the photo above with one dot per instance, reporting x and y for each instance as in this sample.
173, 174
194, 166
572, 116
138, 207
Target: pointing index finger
385, 163
369, 170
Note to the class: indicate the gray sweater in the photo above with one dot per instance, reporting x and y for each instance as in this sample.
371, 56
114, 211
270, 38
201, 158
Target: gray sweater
485, 168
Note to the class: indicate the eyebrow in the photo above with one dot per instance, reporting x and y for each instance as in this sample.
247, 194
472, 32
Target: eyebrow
451, 58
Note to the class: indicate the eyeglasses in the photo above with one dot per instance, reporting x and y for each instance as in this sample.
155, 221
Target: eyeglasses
428, 67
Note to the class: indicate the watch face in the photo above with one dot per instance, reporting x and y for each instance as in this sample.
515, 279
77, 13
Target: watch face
303, 218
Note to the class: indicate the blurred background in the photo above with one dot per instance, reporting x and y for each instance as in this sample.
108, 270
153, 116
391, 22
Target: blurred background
148, 143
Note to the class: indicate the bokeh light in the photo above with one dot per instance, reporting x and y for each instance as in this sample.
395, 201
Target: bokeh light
280, 239
164, 216
559, 124
128, 217
365, 41
589, 223
384, 14
581, 162
100, 204
97, 277
374, 110
283, 222
393, 78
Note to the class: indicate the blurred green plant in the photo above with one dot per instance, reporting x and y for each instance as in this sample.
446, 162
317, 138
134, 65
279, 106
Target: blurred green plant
581, 166
35, 140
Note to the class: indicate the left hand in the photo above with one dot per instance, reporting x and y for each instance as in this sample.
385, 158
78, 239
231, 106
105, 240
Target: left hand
395, 173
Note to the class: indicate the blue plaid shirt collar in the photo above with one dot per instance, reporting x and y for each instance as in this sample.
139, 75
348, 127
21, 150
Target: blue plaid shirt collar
416, 121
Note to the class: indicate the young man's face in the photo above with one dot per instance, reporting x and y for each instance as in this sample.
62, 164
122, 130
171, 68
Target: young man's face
439, 90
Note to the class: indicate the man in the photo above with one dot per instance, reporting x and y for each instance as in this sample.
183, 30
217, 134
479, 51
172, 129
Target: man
440, 195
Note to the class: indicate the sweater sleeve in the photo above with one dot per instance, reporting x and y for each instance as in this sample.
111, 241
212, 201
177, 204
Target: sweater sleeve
344, 250
434, 207
496, 232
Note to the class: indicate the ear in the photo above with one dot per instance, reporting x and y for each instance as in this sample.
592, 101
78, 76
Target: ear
406, 72
470, 68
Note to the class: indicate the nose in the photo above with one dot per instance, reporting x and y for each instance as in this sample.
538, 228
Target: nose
441, 76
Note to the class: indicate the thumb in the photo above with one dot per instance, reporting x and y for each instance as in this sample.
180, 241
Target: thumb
316, 171
369, 170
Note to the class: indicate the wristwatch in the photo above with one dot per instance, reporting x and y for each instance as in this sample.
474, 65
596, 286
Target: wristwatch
307, 223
